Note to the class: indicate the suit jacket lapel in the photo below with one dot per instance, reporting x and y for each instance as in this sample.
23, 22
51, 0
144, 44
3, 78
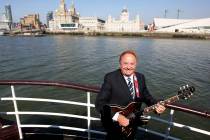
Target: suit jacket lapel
124, 85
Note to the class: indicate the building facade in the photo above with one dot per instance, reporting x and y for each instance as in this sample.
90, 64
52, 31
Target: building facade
49, 17
92, 23
124, 24
182, 25
30, 22
6, 18
4, 24
64, 19
8, 13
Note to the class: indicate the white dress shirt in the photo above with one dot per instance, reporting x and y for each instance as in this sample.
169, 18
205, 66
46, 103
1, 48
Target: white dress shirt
116, 115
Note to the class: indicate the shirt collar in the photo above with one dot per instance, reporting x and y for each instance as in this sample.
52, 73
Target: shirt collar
126, 77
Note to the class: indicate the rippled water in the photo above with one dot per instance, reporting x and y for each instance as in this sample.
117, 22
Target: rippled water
166, 63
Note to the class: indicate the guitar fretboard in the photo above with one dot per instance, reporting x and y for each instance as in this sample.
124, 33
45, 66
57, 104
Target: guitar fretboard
167, 101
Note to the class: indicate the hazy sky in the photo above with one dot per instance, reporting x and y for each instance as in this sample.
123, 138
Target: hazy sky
147, 9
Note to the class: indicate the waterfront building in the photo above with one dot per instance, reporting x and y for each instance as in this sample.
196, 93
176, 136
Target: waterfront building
64, 19
92, 23
8, 13
124, 24
182, 25
4, 24
30, 22
6, 18
49, 17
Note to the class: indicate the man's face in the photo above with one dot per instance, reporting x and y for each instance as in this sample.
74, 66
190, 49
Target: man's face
128, 64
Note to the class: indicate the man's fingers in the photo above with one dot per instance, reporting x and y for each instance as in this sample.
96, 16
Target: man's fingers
123, 121
160, 108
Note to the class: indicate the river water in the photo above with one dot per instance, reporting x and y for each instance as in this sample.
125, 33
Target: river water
166, 63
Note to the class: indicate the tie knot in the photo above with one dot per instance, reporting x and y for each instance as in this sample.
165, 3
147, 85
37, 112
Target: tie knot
129, 79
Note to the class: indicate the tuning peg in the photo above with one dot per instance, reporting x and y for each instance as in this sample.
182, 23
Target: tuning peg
187, 87
192, 89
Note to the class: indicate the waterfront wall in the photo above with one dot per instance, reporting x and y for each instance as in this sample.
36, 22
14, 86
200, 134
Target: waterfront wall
145, 34
136, 34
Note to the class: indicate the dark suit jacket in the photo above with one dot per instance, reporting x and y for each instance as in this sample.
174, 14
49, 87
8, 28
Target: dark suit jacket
115, 91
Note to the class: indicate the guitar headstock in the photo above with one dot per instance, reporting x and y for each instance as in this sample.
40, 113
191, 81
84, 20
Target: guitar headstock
186, 91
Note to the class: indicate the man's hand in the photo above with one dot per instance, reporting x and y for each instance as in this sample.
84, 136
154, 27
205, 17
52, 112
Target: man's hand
159, 108
122, 120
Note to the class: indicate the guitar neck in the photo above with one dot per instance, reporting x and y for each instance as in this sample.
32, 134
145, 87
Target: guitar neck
167, 101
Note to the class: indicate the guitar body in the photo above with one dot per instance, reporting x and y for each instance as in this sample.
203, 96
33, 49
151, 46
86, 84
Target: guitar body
129, 112
131, 107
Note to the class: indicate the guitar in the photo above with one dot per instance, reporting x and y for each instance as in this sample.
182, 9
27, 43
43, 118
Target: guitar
131, 112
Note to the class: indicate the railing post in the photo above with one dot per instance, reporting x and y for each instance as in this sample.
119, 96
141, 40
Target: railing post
170, 124
88, 113
16, 112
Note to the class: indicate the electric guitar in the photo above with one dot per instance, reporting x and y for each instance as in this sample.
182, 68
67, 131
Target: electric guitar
131, 112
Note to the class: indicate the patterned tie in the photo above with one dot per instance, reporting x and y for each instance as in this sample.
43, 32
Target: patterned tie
130, 86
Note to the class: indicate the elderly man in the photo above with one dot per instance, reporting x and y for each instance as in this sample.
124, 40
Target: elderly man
122, 87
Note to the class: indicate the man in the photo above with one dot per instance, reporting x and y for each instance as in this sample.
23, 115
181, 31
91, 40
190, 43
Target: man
122, 87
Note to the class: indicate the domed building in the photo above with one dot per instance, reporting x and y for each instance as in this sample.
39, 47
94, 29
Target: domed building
124, 24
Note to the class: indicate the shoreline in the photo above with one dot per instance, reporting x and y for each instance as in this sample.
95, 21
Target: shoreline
177, 35
164, 35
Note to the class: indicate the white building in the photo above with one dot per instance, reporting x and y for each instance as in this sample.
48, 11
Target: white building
92, 23
4, 26
124, 24
182, 25
64, 19
4, 23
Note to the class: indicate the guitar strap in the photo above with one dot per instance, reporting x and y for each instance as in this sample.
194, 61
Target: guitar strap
136, 85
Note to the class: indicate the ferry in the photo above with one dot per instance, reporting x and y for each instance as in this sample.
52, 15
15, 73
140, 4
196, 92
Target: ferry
1, 33
77, 126
30, 34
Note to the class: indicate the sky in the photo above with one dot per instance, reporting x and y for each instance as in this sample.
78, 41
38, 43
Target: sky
146, 9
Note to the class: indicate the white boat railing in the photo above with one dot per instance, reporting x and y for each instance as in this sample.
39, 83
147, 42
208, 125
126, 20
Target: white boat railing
88, 104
